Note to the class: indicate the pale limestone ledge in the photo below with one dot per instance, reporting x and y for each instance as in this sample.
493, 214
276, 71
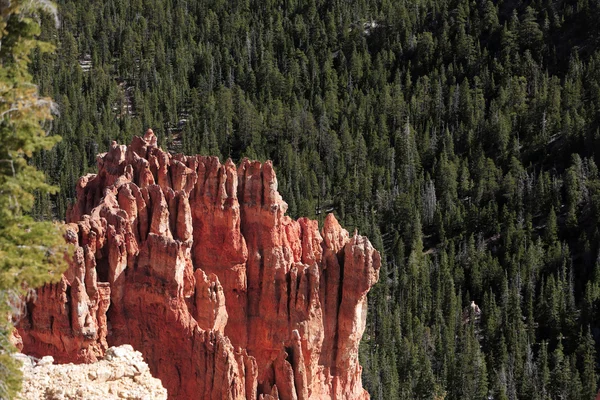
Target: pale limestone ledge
122, 374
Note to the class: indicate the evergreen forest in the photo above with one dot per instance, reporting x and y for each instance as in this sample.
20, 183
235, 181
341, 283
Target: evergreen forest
461, 136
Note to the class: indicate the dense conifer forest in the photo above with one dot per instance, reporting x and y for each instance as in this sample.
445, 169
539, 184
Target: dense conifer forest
463, 137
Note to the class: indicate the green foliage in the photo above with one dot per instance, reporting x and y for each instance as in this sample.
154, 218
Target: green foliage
31, 252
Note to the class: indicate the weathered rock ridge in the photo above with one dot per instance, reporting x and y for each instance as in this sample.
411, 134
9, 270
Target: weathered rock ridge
195, 264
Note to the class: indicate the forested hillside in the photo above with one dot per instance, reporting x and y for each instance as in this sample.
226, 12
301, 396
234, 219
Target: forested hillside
463, 137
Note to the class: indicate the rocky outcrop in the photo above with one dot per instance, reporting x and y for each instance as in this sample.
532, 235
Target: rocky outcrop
196, 265
122, 374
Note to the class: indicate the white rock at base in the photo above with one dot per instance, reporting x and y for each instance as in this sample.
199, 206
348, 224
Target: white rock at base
122, 374
46, 360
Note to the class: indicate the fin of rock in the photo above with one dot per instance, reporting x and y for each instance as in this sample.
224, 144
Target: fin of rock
195, 264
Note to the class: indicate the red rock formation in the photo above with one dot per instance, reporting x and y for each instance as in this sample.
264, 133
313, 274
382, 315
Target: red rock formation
196, 265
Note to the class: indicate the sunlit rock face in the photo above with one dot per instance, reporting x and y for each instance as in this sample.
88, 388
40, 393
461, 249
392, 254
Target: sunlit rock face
195, 264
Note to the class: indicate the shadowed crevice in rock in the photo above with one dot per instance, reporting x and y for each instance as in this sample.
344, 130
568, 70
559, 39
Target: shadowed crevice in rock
225, 295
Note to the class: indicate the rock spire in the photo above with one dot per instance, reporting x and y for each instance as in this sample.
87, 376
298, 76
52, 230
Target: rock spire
195, 264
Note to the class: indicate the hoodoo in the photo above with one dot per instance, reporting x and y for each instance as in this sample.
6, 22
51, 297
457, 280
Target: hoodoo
195, 264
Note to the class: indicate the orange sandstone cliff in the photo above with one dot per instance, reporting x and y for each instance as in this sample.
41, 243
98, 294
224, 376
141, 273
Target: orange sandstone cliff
196, 265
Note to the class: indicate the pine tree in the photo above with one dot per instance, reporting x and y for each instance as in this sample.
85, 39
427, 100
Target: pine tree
551, 228
588, 374
31, 252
